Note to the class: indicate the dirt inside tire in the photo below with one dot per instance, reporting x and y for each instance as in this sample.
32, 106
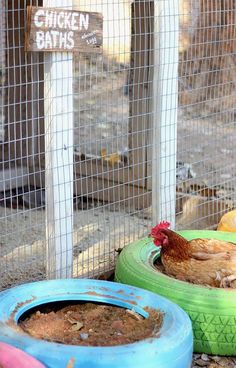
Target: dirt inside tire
92, 324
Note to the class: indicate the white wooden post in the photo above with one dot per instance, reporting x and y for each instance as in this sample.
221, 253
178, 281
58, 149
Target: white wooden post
165, 100
58, 106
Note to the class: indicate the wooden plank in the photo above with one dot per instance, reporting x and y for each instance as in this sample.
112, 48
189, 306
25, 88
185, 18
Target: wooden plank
103, 190
58, 107
107, 191
141, 80
23, 100
52, 29
88, 165
16, 108
165, 104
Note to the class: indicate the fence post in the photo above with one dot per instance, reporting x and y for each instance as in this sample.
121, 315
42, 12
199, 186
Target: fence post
58, 107
165, 103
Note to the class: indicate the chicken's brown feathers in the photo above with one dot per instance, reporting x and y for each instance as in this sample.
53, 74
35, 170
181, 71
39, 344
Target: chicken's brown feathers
209, 262
177, 246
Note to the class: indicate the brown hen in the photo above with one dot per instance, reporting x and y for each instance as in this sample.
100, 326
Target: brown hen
208, 262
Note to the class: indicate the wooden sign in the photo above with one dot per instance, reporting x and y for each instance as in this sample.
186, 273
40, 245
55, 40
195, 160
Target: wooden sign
53, 29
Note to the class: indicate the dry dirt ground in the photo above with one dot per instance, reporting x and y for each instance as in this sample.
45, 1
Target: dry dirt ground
91, 324
97, 233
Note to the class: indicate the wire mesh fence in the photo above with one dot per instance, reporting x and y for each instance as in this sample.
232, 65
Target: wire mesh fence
123, 99
206, 123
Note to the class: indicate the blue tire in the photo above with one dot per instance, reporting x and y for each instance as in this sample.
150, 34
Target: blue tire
172, 349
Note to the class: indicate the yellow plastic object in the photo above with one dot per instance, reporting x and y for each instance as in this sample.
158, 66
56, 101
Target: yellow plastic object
228, 222
103, 153
114, 159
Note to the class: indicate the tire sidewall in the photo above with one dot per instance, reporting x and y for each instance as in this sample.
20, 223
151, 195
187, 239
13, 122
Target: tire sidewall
212, 310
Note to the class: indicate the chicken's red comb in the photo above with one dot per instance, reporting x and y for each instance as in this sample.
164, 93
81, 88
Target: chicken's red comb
161, 226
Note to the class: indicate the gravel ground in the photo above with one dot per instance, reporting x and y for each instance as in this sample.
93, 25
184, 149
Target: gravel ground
209, 361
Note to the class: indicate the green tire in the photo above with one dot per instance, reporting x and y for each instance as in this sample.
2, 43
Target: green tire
212, 310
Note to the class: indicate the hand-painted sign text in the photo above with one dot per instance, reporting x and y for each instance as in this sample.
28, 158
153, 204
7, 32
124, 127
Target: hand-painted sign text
50, 29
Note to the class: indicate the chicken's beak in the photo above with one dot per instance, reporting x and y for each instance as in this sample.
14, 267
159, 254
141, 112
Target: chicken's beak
156, 241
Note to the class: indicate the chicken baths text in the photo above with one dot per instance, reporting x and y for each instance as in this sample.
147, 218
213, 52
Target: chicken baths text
50, 29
